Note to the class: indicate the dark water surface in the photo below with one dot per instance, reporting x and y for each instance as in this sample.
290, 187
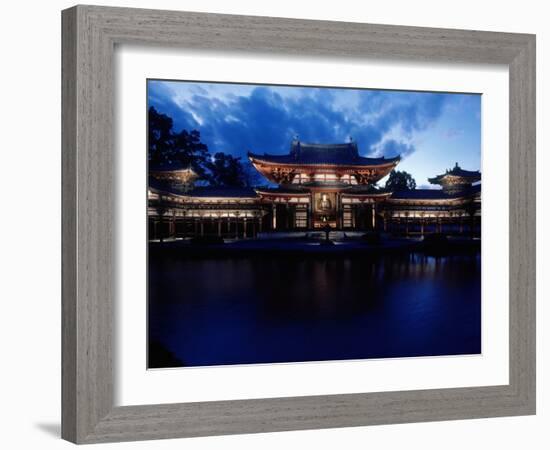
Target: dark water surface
228, 310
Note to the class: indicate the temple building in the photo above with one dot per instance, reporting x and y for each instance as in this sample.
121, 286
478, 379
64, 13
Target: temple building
178, 178
453, 209
312, 187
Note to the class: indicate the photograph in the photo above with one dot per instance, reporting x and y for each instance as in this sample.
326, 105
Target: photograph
294, 224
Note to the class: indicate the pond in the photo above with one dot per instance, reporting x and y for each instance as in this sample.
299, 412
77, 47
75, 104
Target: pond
217, 310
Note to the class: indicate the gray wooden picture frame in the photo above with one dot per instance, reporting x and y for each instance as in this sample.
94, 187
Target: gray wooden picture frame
90, 34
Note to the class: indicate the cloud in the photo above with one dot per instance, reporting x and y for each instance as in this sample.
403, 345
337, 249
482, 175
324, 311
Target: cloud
452, 133
427, 186
236, 119
394, 147
162, 97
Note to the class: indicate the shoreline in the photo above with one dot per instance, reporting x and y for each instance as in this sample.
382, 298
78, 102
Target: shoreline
302, 247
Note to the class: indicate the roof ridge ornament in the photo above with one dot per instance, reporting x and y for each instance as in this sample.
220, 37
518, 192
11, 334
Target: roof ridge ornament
295, 144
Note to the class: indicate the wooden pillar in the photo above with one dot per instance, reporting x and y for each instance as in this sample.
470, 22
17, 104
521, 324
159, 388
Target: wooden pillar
228, 224
422, 227
196, 226
244, 227
161, 228
260, 222
338, 208
274, 214
170, 220
287, 218
340, 212
202, 226
219, 226
373, 210
310, 212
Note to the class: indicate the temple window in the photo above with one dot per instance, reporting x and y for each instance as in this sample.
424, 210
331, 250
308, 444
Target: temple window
301, 218
326, 177
346, 178
348, 218
300, 178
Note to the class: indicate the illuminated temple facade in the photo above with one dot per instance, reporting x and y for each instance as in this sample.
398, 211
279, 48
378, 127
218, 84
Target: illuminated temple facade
312, 187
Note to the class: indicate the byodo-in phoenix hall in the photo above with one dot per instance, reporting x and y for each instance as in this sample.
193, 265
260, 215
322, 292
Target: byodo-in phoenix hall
313, 187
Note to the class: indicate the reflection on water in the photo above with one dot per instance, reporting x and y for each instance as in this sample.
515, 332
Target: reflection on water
212, 311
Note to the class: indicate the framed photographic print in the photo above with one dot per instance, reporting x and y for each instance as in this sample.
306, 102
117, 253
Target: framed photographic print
278, 224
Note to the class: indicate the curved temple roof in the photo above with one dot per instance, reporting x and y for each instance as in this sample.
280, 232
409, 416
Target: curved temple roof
302, 153
469, 176
434, 194
170, 166
202, 191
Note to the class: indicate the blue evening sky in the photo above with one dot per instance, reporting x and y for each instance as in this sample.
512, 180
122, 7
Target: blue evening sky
431, 131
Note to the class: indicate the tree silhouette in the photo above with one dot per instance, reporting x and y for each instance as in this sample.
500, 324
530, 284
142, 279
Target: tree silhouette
190, 151
226, 170
184, 148
400, 181
160, 136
